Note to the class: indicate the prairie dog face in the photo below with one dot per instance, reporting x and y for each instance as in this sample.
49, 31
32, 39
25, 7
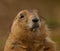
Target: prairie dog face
29, 19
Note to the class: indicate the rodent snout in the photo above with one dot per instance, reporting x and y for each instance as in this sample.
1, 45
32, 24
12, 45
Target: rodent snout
35, 20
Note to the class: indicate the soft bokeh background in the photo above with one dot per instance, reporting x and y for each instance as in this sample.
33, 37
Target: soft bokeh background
50, 9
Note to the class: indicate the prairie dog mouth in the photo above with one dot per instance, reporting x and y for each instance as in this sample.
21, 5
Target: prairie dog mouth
34, 27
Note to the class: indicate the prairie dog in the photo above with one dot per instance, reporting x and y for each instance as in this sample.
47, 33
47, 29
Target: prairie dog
29, 32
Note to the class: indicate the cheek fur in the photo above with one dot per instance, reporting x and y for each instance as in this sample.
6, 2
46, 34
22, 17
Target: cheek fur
30, 25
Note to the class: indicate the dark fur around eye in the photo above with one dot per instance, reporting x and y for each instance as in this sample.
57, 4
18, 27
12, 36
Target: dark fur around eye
21, 16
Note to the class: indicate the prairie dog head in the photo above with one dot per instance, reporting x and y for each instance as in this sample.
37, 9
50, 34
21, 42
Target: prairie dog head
28, 19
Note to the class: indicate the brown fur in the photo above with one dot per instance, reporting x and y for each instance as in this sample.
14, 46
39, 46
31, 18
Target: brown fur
22, 39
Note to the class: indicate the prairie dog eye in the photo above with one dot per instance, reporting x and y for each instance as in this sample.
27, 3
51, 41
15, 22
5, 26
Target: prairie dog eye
21, 15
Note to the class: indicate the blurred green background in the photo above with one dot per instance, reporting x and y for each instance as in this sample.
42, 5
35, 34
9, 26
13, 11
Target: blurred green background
50, 9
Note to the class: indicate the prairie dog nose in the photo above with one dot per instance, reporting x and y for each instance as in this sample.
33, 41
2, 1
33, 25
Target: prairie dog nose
35, 20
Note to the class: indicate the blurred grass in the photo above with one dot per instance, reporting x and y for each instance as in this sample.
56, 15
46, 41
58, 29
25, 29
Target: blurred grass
52, 23
1, 44
55, 34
